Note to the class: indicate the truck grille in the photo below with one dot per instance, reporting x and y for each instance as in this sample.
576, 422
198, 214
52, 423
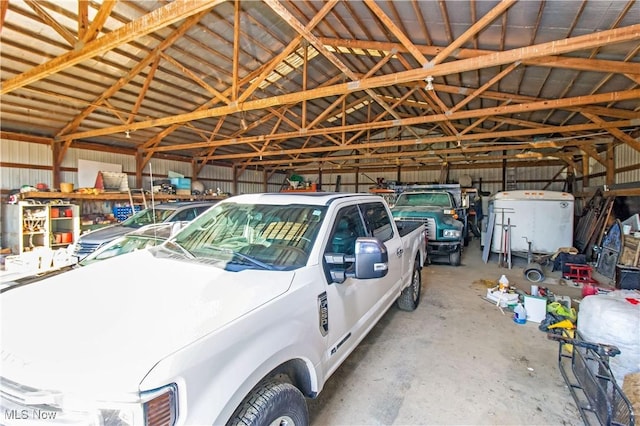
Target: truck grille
430, 224
82, 249
23, 405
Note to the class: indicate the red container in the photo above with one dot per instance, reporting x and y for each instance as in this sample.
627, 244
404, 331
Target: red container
589, 290
67, 237
55, 212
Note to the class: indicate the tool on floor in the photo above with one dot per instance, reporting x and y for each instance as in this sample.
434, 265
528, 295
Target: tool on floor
504, 254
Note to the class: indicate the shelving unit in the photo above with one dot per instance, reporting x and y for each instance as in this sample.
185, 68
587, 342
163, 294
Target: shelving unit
64, 224
28, 226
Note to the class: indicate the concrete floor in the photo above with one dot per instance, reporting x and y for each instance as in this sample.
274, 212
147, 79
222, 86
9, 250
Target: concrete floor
455, 360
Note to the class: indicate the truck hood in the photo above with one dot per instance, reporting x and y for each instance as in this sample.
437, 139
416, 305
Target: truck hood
406, 211
103, 234
102, 328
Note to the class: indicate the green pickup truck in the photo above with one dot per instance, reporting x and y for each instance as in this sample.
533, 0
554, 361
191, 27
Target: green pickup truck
441, 208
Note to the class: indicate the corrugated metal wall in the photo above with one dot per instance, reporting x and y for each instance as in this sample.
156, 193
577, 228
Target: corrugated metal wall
626, 157
251, 181
34, 154
27, 154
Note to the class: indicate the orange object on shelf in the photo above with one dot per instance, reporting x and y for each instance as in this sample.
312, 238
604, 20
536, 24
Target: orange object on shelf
311, 188
67, 237
55, 212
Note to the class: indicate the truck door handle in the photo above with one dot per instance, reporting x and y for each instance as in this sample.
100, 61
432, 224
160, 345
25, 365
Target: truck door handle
399, 252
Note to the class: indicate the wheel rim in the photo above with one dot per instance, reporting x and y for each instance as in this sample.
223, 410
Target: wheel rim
416, 285
283, 421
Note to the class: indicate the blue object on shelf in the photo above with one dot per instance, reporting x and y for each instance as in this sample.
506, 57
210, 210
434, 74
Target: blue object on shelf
123, 212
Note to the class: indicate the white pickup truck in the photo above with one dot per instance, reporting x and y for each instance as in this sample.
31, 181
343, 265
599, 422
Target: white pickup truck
235, 320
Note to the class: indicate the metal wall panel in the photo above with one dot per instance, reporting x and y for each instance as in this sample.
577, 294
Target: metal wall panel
251, 180
26, 153
11, 178
627, 157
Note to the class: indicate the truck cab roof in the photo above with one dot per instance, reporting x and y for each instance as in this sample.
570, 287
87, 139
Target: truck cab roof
311, 198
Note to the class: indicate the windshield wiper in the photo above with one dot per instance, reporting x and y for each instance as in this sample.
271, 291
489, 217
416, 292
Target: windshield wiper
175, 245
243, 256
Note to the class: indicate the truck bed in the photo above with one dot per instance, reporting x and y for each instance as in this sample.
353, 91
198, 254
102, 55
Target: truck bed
407, 226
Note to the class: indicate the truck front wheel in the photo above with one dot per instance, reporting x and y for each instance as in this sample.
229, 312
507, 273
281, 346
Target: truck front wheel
454, 257
410, 296
272, 403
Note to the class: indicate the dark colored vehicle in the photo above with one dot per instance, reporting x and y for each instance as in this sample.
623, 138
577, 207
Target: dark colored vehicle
183, 211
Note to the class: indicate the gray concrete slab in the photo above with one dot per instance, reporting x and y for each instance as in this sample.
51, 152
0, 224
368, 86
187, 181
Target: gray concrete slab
456, 360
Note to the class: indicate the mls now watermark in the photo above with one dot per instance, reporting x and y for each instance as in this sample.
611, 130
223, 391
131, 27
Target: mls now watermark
33, 414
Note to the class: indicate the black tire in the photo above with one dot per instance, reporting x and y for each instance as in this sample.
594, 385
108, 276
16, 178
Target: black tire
410, 296
272, 402
455, 257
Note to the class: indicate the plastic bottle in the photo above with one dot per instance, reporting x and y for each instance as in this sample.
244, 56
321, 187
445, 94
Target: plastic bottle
504, 283
520, 314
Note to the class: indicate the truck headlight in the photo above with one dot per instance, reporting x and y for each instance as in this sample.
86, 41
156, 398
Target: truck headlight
451, 212
451, 233
157, 407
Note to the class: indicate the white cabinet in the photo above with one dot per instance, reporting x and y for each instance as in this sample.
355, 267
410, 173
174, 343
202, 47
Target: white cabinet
27, 226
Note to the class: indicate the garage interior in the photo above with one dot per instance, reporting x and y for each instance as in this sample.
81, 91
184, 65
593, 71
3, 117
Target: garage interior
237, 97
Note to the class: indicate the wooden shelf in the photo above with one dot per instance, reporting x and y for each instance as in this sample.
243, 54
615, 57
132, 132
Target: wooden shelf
116, 196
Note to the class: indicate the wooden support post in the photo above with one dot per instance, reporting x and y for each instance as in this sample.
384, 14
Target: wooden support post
55, 169
234, 184
585, 170
611, 165
139, 167
265, 181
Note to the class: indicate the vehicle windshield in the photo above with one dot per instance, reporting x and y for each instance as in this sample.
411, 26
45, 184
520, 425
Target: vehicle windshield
423, 199
122, 245
147, 217
257, 236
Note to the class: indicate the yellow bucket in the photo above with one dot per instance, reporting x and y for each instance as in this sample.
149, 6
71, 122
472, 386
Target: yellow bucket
66, 187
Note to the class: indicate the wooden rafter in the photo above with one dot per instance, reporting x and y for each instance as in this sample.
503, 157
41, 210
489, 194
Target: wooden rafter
551, 61
441, 139
304, 31
94, 29
47, 19
145, 88
189, 22
615, 132
509, 56
146, 24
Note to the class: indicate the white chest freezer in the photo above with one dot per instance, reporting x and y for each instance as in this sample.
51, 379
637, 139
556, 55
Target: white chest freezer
544, 218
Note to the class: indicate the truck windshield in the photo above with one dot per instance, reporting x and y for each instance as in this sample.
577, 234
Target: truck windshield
424, 199
256, 236
147, 217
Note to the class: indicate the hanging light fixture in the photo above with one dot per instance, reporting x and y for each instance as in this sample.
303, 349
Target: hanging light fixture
127, 134
429, 81
243, 122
